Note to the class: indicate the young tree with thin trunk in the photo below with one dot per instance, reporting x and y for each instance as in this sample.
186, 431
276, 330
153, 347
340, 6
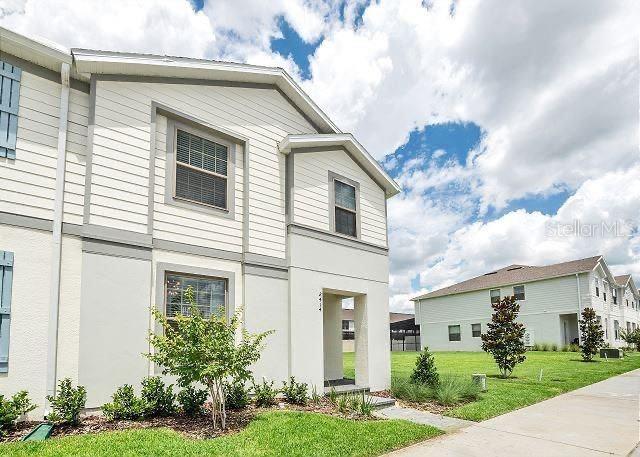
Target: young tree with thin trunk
203, 350
591, 334
504, 339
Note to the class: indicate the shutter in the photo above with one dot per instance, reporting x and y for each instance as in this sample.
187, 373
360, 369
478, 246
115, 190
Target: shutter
6, 278
9, 95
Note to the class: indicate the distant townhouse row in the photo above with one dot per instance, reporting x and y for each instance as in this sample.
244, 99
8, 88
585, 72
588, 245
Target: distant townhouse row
551, 299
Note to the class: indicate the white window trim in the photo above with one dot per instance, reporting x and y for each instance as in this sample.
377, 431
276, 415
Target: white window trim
332, 204
171, 163
449, 333
499, 297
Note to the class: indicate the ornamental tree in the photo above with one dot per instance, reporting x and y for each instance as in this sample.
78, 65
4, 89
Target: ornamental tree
591, 334
425, 371
504, 337
203, 350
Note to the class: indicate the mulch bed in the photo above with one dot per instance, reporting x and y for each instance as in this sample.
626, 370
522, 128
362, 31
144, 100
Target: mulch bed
199, 427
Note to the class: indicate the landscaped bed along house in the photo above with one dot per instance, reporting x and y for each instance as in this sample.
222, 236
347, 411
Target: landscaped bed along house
129, 178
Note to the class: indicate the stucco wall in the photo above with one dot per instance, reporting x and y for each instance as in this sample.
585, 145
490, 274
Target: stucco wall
29, 312
114, 323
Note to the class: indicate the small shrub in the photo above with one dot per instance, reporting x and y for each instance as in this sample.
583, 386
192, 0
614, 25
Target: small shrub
573, 348
365, 406
124, 405
535, 347
425, 371
632, 338
237, 396
159, 400
295, 392
333, 395
191, 400
404, 389
342, 403
454, 389
67, 404
544, 347
11, 410
265, 394
315, 397
554, 347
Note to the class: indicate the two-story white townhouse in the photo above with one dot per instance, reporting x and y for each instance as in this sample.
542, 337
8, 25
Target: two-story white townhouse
127, 178
551, 298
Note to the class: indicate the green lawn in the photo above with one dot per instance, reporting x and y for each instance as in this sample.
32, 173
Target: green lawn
270, 434
562, 372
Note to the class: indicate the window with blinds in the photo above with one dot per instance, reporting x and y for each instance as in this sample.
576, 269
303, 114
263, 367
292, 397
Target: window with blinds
201, 170
345, 208
9, 95
209, 295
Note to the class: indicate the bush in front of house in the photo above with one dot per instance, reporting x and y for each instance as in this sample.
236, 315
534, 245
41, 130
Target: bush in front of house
455, 389
191, 400
159, 400
425, 371
265, 394
591, 333
295, 392
205, 350
505, 336
124, 405
237, 395
67, 404
632, 338
11, 409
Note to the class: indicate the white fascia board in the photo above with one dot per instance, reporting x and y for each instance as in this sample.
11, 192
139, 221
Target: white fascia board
36, 50
348, 141
118, 63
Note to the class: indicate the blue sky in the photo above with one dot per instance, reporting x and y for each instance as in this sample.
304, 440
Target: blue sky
495, 124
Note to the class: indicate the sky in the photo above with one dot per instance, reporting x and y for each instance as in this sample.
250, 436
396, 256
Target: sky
512, 127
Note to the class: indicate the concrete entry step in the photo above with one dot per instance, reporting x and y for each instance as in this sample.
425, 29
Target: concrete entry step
346, 389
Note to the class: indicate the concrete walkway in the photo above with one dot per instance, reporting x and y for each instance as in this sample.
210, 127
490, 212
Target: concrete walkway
600, 419
448, 424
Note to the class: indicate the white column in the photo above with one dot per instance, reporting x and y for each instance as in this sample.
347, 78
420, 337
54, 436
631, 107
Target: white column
361, 322
332, 332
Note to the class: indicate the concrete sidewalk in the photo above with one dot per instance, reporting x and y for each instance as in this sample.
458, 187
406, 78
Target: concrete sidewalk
596, 420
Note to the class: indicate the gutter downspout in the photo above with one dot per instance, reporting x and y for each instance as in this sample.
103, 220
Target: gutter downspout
54, 300
579, 308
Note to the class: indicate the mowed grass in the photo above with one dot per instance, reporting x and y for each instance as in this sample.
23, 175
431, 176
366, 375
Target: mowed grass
561, 372
275, 433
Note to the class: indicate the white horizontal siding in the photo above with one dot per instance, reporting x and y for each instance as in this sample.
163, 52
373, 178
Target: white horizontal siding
311, 193
29, 180
554, 295
194, 227
121, 153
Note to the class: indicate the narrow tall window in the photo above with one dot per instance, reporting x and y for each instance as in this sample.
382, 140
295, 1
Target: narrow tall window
476, 330
201, 170
518, 292
614, 295
345, 208
454, 333
616, 330
597, 283
209, 294
495, 296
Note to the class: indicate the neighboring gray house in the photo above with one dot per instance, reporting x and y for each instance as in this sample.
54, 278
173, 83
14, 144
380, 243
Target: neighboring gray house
126, 178
551, 299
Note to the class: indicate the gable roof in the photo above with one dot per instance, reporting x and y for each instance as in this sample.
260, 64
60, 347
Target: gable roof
514, 274
88, 61
622, 280
357, 152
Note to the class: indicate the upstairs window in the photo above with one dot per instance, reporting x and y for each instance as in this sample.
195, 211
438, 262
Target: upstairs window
597, 283
201, 170
518, 292
209, 294
476, 330
344, 213
616, 330
614, 295
9, 95
495, 296
454, 333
